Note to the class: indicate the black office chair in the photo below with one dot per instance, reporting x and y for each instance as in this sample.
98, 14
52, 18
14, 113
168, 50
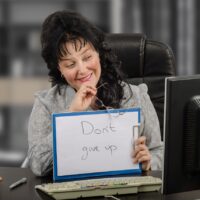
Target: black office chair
145, 61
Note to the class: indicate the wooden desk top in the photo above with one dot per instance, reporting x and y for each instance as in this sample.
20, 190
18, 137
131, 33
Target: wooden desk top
28, 192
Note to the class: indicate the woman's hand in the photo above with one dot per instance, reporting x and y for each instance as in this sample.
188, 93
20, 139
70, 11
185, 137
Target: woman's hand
83, 98
142, 154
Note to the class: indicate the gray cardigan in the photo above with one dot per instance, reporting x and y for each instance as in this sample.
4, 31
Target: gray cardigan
51, 101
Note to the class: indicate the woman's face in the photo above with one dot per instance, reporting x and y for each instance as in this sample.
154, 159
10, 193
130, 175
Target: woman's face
81, 65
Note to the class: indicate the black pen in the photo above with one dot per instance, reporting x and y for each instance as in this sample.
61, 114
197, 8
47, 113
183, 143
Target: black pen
17, 183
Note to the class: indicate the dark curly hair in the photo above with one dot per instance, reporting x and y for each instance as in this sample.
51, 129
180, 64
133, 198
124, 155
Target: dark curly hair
66, 26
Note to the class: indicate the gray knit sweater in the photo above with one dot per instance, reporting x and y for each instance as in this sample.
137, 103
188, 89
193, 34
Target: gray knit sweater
51, 101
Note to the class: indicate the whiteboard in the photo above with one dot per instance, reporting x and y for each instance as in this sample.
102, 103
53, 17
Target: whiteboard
94, 143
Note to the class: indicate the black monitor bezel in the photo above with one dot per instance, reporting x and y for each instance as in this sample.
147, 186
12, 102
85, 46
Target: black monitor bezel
178, 91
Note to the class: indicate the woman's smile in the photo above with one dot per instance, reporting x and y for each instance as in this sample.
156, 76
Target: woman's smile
85, 78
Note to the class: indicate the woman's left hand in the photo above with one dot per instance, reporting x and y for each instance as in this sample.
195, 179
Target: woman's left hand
142, 154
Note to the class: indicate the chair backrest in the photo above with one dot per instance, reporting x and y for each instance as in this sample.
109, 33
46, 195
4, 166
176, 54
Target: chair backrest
145, 61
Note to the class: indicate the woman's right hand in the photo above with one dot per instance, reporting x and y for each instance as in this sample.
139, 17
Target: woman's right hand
83, 98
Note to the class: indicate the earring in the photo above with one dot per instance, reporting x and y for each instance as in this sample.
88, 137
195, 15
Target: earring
62, 76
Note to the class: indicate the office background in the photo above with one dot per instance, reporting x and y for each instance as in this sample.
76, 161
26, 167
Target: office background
22, 71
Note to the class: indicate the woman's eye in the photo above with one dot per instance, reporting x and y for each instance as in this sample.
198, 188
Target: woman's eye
70, 65
87, 57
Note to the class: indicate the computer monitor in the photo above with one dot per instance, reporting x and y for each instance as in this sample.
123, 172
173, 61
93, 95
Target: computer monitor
181, 167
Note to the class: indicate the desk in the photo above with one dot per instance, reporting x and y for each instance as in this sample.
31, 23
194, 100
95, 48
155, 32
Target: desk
28, 192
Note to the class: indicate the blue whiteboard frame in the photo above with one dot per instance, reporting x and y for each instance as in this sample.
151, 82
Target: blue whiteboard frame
58, 178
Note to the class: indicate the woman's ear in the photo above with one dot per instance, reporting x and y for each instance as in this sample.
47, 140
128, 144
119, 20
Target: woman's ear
61, 74
59, 68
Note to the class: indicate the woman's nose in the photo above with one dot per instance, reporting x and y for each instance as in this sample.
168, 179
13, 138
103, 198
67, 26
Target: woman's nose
82, 67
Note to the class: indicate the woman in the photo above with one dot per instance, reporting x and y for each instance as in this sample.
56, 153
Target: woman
86, 76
